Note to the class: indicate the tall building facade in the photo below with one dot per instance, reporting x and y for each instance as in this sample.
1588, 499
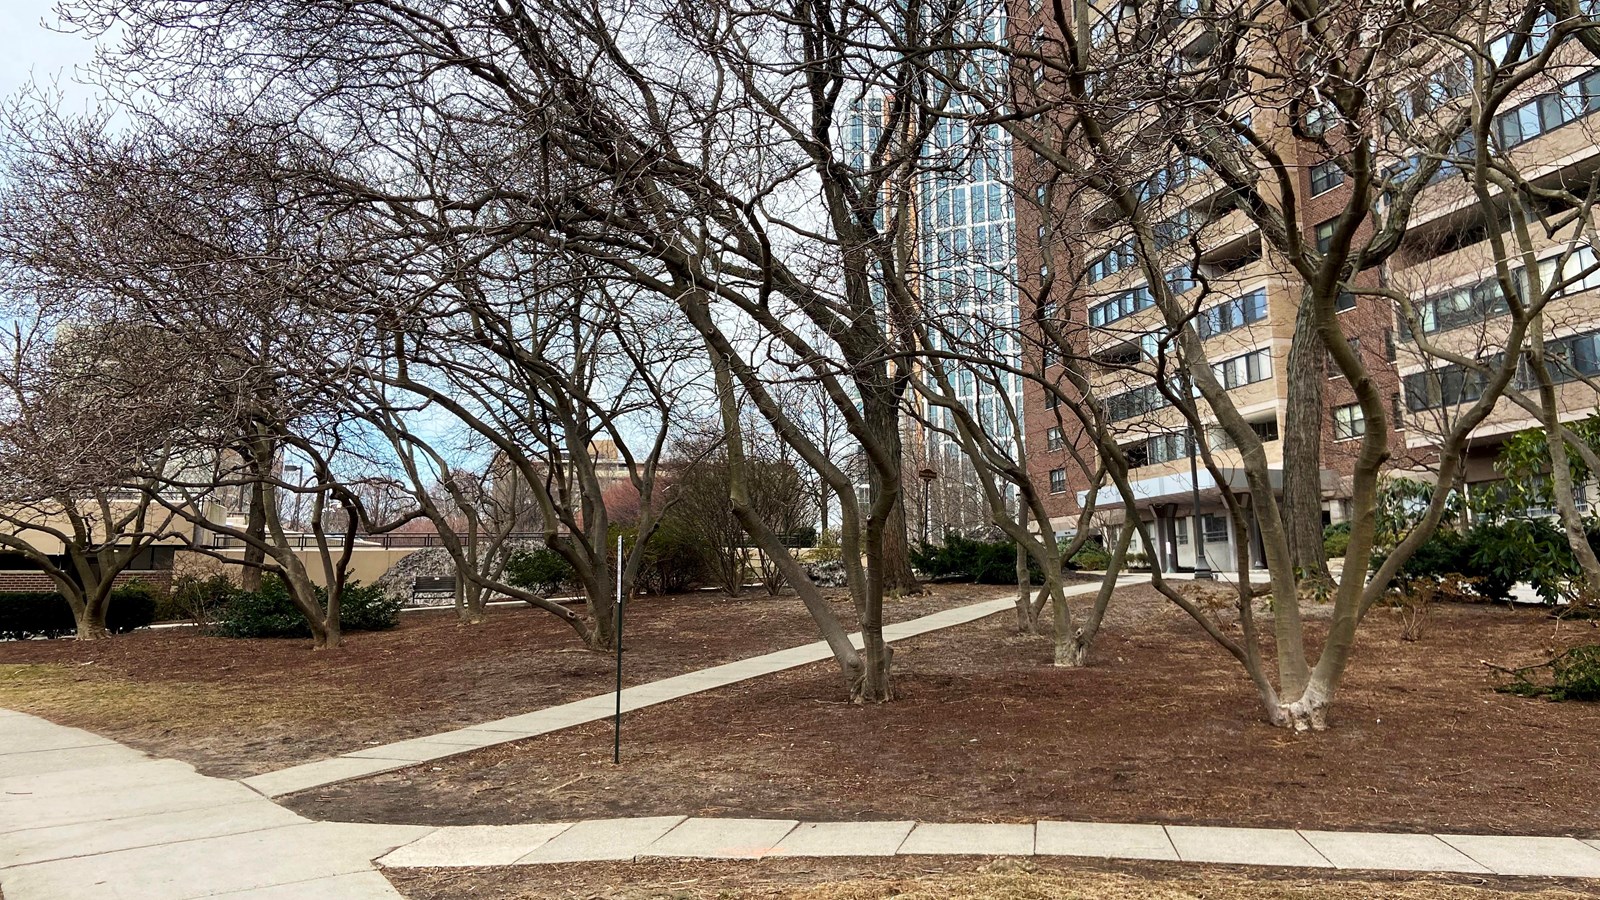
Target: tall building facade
1079, 269
965, 278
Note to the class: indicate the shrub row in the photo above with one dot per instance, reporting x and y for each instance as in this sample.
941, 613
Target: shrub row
29, 614
270, 613
984, 562
1496, 554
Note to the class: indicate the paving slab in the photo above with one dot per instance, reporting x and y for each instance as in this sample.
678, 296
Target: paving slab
1395, 852
722, 838
141, 800
355, 886
418, 750
258, 859
473, 845
845, 839
85, 839
23, 737
319, 773
603, 839
1244, 846
77, 759
976, 840
1553, 856
141, 771
553, 718
1104, 840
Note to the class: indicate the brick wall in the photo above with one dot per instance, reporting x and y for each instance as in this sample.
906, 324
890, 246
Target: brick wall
20, 581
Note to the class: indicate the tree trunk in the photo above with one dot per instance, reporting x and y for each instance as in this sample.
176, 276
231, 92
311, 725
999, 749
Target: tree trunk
90, 617
255, 553
898, 579
1072, 649
1027, 622
1561, 465
1302, 449
872, 684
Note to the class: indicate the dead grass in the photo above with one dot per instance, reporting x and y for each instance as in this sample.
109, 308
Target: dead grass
940, 878
115, 702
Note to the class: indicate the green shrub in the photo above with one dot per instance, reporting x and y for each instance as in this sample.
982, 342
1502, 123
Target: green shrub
541, 571
131, 606
673, 562
367, 607
1092, 557
1531, 550
984, 562
270, 613
1336, 540
264, 613
1448, 553
29, 614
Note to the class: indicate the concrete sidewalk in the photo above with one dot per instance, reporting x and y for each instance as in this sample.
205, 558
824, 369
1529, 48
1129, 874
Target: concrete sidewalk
681, 837
401, 754
83, 818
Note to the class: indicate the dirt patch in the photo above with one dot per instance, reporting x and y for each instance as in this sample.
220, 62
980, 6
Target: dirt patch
239, 707
930, 878
1163, 727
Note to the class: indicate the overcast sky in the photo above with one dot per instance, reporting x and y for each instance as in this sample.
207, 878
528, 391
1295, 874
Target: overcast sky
29, 50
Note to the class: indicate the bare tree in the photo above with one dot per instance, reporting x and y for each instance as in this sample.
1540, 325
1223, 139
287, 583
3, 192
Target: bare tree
80, 428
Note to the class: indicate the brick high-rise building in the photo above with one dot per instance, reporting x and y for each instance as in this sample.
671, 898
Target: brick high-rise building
1246, 295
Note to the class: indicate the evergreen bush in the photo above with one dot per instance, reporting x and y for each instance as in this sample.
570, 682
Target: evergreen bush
270, 613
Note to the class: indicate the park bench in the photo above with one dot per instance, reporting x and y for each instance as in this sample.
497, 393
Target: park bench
433, 587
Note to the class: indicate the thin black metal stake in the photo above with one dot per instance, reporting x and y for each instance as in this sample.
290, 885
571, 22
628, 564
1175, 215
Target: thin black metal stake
616, 726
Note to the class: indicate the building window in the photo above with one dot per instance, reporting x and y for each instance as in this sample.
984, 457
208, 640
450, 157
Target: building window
1344, 301
1115, 260
1179, 280
1391, 350
1051, 399
1266, 430
1444, 386
1216, 528
1532, 42
1053, 438
1182, 530
1058, 481
1236, 313
1163, 448
1136, 402
1325, 177
1398, 407
1348, 422
1547, 112
1566, 359
1325, 235
1242, 370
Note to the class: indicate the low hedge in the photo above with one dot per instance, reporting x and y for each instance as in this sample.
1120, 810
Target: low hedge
270, 613
983, 562
46, 614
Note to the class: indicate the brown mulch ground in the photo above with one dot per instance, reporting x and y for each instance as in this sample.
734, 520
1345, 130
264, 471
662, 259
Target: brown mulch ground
239, 707
1163, 727
939, 878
